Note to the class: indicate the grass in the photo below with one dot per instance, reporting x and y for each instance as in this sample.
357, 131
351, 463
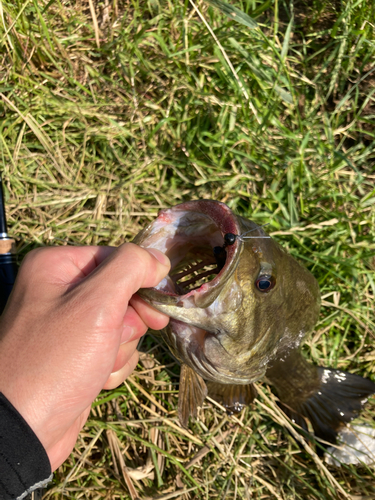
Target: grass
113, 110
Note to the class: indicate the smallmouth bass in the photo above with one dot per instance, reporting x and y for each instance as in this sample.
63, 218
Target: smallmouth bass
240, 307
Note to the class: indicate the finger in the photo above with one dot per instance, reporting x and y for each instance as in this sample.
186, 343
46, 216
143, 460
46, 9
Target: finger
150, 316
125, 352
117, 378
111, 285
130, 268
134, 326
59, 267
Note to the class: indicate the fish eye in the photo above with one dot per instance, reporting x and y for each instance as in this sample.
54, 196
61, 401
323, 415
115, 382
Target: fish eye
265, 283
230, 238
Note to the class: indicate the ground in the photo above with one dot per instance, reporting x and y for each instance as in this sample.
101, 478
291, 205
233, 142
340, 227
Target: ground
113, 110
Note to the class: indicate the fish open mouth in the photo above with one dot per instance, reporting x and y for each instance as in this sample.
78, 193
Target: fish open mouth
196, 269
192, 236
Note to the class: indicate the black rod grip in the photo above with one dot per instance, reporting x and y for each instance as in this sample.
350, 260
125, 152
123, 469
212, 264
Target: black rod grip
3, 221
8, 261
8, 273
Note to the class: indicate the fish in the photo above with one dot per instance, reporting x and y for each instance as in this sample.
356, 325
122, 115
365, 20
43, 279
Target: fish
240, 308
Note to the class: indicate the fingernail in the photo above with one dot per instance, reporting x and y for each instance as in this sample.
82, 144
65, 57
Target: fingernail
127, 333
160, 256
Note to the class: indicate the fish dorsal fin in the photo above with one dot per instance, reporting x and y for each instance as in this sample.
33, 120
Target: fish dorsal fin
233, 397
193, 391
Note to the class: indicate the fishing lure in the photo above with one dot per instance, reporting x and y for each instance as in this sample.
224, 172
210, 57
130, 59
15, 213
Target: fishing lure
230, 238
220, 253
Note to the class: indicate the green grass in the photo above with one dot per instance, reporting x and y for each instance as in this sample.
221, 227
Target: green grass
113, 110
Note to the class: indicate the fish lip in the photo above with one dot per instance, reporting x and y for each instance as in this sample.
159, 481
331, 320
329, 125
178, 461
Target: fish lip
226, 222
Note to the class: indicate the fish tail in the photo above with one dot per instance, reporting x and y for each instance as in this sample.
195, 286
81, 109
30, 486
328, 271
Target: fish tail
326, 397
340, 398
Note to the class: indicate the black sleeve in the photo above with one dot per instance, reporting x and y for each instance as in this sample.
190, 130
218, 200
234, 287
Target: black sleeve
24, 463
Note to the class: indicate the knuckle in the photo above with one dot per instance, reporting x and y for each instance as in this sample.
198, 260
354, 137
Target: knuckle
40, 259
33, 257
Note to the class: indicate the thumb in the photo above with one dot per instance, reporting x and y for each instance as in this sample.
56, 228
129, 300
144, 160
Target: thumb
127, 269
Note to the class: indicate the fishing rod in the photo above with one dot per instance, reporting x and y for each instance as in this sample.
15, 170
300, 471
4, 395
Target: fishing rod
8, 261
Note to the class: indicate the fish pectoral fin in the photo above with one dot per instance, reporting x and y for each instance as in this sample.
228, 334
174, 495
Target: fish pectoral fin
193, 391
233, 397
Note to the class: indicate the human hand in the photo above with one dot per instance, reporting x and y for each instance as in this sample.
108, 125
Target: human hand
70, 329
